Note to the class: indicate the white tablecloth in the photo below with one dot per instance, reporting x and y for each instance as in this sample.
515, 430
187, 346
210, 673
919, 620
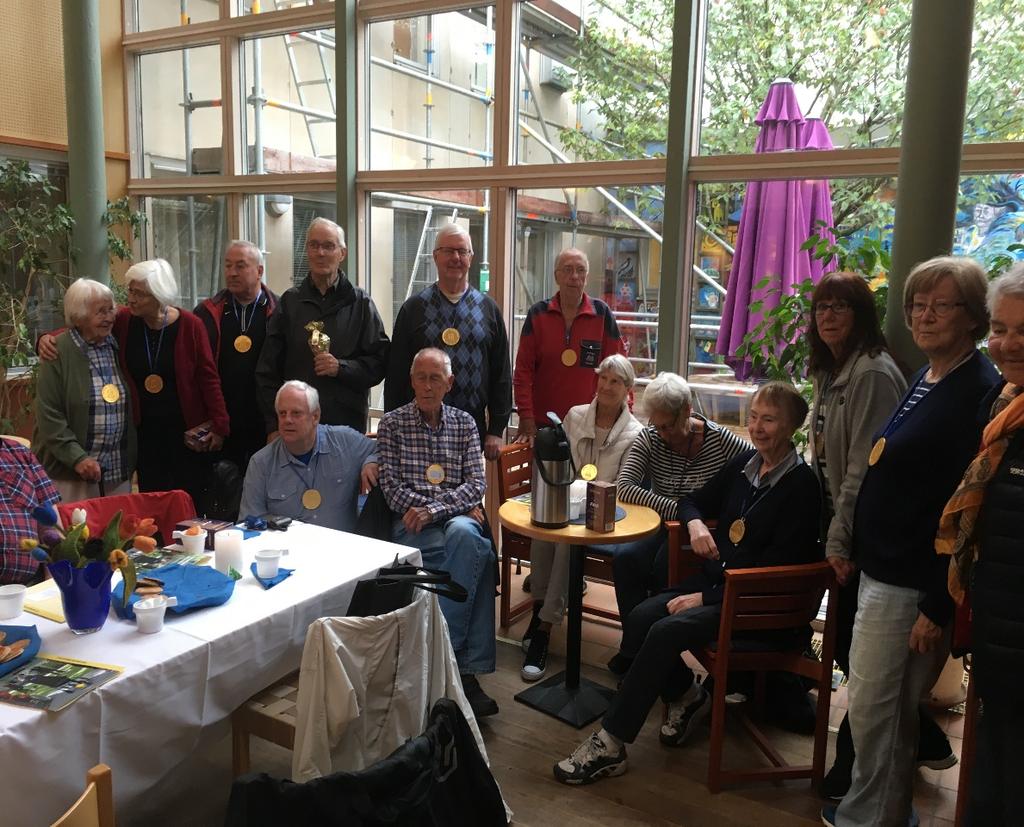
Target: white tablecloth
180, 686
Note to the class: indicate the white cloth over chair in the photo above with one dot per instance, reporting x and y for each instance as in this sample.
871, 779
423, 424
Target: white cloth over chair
366, 685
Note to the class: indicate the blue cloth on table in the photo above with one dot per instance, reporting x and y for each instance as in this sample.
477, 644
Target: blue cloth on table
270, 582
16, 633
620, 512
195, 587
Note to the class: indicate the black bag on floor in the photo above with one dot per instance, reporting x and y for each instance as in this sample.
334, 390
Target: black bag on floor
392, 589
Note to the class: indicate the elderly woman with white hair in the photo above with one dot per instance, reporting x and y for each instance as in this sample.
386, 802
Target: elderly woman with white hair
600, 433
675, 454
84, 435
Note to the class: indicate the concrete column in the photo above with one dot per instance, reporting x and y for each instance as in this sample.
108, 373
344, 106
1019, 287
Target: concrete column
674, 298
345, 86
933, 128
87, 180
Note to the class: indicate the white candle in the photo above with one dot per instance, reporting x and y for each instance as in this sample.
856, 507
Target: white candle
227, 547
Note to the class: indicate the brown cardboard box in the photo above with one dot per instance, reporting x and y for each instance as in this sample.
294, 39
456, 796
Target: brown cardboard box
211, 527
601, 506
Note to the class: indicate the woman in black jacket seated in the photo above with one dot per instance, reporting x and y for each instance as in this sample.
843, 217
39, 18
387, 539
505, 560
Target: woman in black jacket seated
983, 528
767, 504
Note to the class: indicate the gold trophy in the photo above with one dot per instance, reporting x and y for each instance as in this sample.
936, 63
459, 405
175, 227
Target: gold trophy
319, 342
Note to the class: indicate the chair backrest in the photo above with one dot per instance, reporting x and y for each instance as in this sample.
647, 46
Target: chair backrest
514, 470
776, 597
167, 508
95, 808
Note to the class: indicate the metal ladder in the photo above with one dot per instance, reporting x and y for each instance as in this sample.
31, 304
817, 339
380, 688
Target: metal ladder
421, 276
325, 44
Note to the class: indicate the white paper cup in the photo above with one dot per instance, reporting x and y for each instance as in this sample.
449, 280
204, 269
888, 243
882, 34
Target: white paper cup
149, 613
12, 600
268, 561
193, 543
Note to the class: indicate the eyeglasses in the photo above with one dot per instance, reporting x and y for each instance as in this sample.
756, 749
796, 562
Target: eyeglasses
461, 252
569, 270
322, 246
135, 293
941, 309
665, 427
839, 307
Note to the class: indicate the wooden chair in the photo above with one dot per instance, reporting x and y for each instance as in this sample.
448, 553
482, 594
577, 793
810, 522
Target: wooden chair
269, 715
515, 469
96, 806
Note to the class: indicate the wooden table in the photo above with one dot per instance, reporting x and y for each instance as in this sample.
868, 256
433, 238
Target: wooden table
566, 696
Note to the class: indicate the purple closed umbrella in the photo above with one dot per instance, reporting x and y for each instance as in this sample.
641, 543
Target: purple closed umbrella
777, 218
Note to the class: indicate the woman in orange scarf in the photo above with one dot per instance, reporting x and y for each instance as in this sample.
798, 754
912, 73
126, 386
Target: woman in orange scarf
982, 528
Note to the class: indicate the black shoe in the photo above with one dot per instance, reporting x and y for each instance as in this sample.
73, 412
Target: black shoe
534, 623
481, 703
933, 749
526, 584
619, 664
837, 782
683, 720
591, 761
536, 663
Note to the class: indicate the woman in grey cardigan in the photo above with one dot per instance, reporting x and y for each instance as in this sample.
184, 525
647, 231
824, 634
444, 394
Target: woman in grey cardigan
857, 385
600, 434
84, 436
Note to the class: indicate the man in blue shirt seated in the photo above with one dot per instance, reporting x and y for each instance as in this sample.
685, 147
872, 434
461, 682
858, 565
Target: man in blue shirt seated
432, 476
311, 472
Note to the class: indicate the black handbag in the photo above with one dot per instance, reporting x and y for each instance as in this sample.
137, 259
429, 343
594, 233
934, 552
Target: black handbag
393, 586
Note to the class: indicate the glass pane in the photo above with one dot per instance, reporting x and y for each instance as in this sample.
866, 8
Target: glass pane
995, 98
258, 6
278, 225
624, 255
430, 100
178, 139
402, 229
191, 232
990, 218
600, 96
290, 103
162, 14
847, 62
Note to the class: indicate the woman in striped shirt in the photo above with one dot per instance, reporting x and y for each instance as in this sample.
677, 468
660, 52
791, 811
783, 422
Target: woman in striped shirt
675, 454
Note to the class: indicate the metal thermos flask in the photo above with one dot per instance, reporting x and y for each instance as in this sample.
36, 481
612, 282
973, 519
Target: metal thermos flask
553, 473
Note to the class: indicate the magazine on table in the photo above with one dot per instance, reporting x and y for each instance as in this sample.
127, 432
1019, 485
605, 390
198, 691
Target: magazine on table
50, 682
164, 557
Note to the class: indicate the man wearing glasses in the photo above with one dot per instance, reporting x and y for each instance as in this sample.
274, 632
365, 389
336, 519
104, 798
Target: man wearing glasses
456, 318
564, 339
327, 333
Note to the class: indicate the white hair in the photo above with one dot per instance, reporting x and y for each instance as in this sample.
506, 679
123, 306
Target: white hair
568, 251
433, 351
254, 251
620, 366
312, 396
455, 229
320, 221
1010, 283
80, 295
668, 393
158, 275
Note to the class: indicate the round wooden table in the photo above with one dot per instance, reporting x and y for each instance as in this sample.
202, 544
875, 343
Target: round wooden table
566, 696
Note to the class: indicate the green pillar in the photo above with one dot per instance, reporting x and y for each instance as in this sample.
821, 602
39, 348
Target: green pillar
345, 85
933, 127
87, 179
674, 304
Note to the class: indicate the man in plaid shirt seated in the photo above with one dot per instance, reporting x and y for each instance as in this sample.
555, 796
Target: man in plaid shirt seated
432, 476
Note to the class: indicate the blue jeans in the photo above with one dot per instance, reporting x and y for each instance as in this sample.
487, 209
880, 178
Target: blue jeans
460, 547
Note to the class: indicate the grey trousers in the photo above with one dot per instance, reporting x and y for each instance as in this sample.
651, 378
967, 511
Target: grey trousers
549, 578
887, 682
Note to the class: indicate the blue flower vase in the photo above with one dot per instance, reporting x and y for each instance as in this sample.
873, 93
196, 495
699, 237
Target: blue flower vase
85, 594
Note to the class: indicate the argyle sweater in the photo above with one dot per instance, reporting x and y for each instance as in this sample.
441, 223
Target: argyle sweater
480, 360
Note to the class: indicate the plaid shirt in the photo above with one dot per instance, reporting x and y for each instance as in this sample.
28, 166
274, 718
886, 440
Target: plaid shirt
23, 486
108, 422
407, 446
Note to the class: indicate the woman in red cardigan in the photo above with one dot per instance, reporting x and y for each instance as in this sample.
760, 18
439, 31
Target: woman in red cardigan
176, 397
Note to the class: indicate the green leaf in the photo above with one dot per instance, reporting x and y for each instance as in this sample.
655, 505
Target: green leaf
112, 534
130, 577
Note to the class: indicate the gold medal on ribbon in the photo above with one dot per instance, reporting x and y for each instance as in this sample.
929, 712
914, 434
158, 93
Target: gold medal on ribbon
110, 393
311, 499
450, 336
737, 529
435, 474
588, 471
319, 342
243, 344
568, 357
876, 451
154, 383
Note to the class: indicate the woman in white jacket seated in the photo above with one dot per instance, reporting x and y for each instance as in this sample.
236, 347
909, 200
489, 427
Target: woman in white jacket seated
600, 434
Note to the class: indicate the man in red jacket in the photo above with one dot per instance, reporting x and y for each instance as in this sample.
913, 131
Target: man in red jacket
564, 339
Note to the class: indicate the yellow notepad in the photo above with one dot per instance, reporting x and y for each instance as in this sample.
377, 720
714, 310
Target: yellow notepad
43, 599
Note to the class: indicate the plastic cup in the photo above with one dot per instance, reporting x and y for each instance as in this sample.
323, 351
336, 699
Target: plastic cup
12, 600
268, 562
193, 543
149, 613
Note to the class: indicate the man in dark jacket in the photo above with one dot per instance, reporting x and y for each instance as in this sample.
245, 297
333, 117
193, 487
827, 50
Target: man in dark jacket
236, 322
354, 353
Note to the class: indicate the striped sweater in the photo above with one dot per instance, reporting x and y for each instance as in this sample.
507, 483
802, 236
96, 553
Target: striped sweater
669, 475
